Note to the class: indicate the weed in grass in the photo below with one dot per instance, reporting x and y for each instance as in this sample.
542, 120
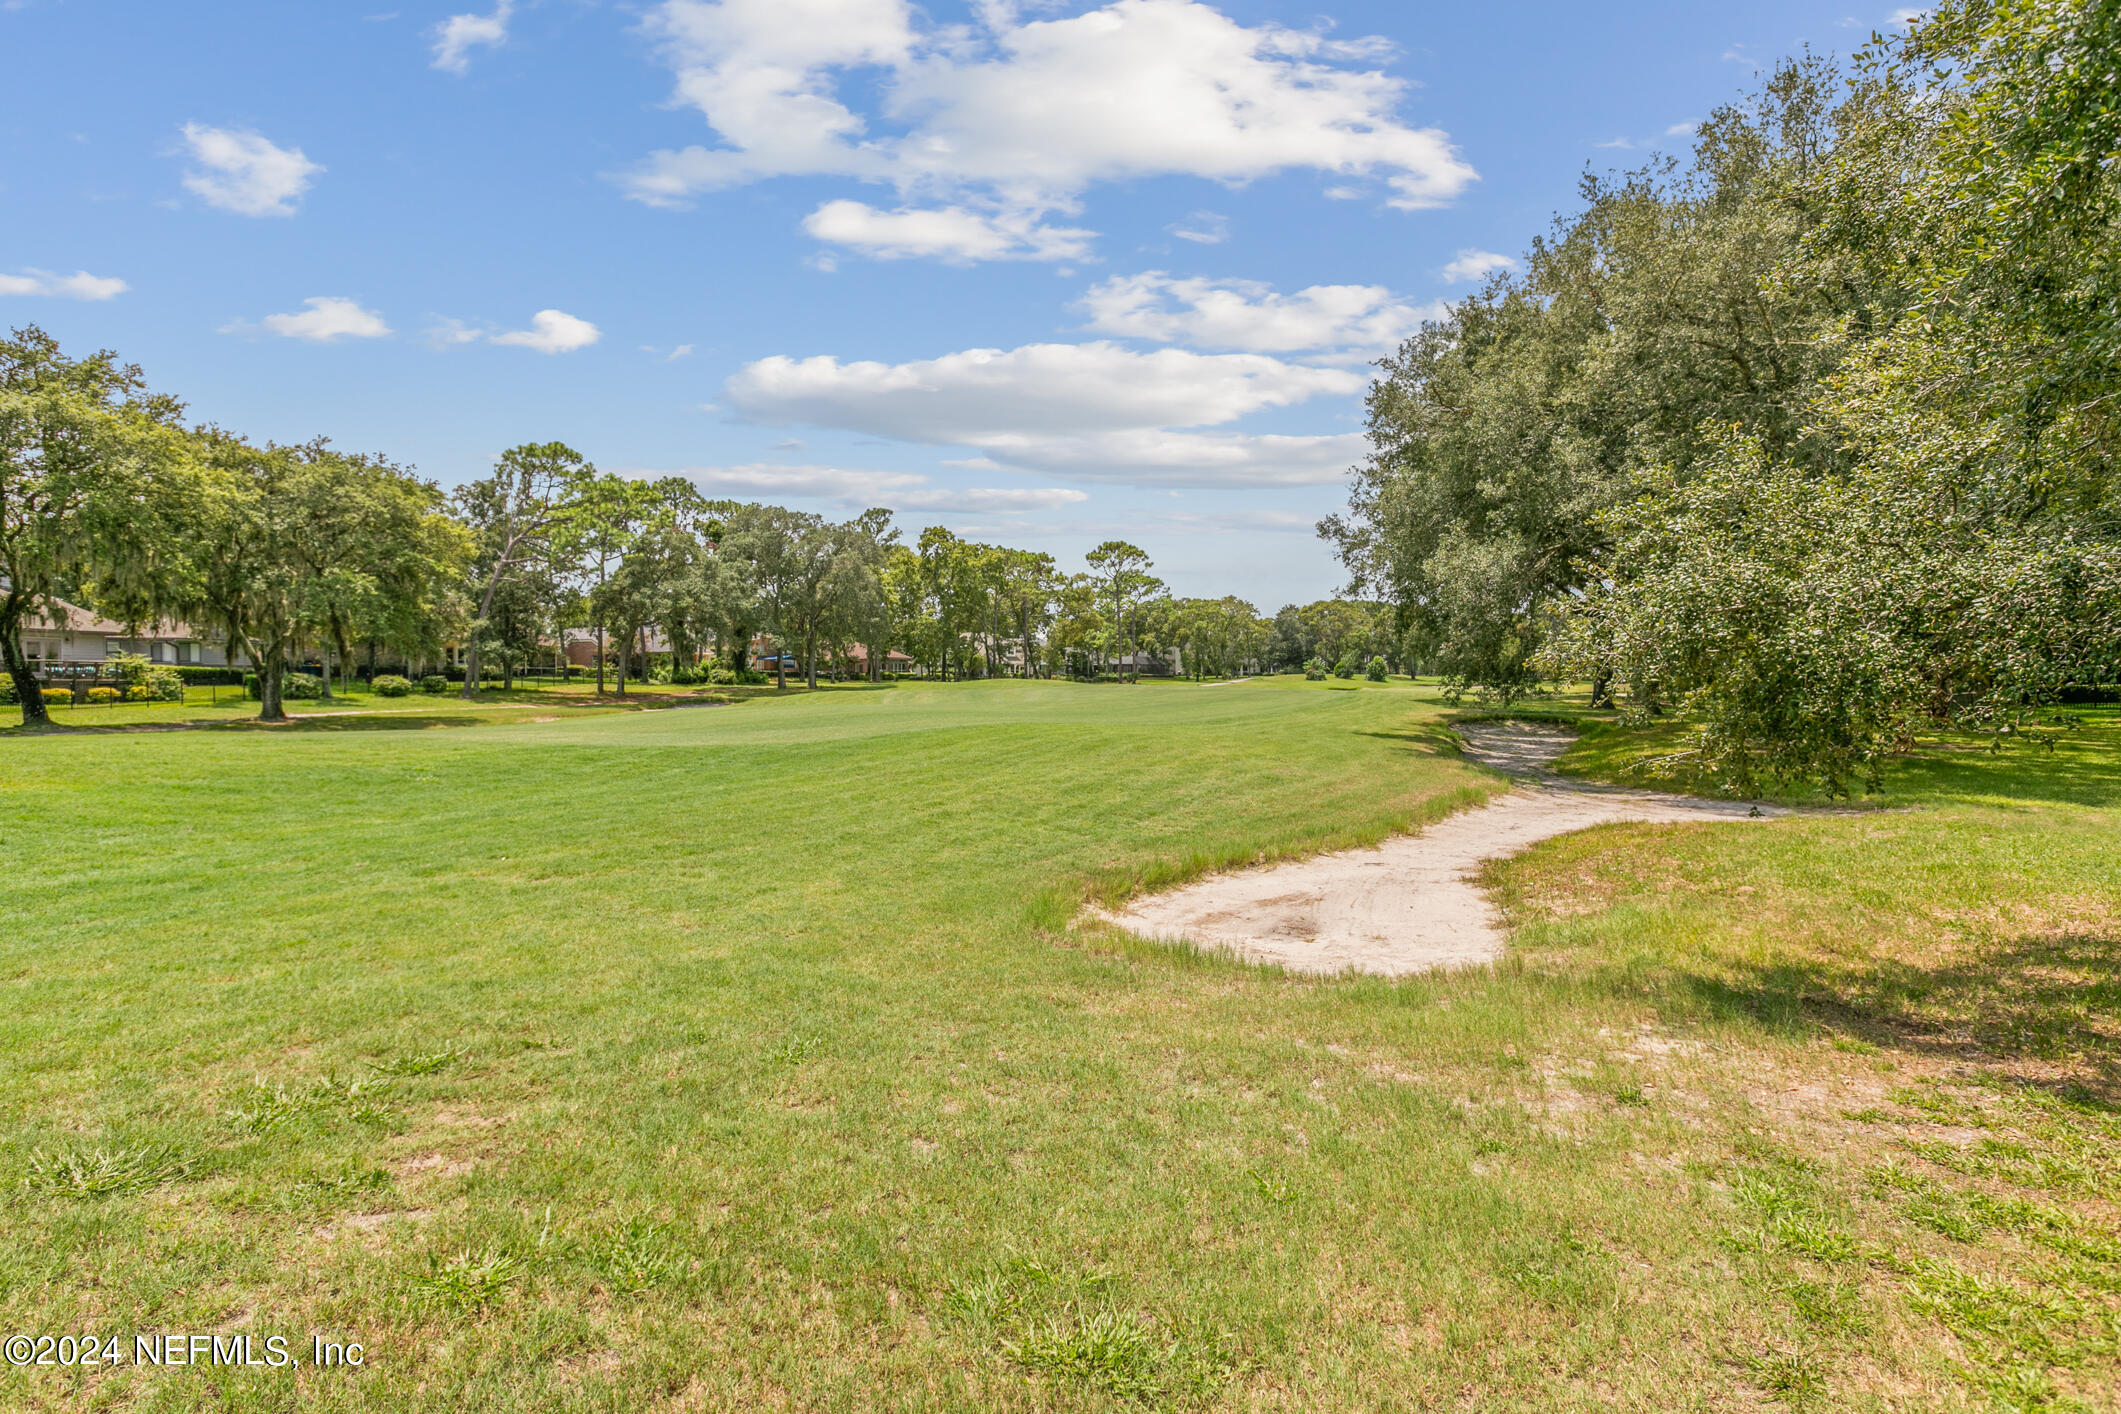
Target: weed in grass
467, 1281
1943, 1213
1630, 1095
1120, 1354
266, 1108
1851, 1046
2023, 1389
419, 1064
1565, 1272
1792, 1376
76, 1171
1274, 1190
795, 1050
319, 1193
1790, 1221
1892, 1176
639, 1258
1111, 1351
1834, 1307
988, 1299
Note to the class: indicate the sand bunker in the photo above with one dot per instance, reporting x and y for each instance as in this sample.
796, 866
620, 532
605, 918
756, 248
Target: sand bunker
1411, 904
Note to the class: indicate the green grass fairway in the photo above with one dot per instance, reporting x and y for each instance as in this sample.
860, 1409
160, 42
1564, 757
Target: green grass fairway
744, 1057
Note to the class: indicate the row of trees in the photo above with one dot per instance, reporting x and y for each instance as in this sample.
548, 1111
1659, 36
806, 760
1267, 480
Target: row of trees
1813, 438
288, 553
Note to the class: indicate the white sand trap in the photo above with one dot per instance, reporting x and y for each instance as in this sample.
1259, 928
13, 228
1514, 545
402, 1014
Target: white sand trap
1410, 904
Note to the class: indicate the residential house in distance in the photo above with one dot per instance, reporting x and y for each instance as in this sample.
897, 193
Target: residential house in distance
82, 638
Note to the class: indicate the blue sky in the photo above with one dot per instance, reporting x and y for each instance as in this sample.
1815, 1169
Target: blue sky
1047, 273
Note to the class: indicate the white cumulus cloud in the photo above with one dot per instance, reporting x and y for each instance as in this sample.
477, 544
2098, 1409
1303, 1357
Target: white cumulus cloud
458, 35
79, 285
553, 331
1247, 315
1470, 265
951, 233
326, 320
1013, 117
1050, 389
1202, 228
1168, 457
857, 488
1096, 411
244, 172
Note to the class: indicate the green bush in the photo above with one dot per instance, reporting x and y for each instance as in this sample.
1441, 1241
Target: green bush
98, 696
720, 677
1377, 669
391, 685
434, 684
164, 685
294, 687
1315, 670
8, 696
1348, 665
139, 693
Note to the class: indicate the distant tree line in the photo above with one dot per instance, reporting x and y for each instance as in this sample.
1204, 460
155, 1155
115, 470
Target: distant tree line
307, 553
1812, 438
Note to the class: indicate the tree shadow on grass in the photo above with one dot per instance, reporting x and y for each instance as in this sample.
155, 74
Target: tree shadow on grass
341, 722
2074, 765
2079, 767
2046, 1007
1418, 741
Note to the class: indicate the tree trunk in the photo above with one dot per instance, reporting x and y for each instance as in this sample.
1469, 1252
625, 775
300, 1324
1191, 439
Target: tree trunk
508, 675
324, 663
625, 655
272, 673
600, 659
810, 656
28, 691
780, 667
1602, 687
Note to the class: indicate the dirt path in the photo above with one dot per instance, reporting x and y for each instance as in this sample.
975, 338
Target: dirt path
1411, 904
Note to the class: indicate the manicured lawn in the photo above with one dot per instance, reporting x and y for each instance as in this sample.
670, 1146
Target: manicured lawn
743, 1057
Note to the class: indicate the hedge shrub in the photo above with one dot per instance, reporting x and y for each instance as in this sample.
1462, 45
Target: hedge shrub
434, 684
1377, 669
391, 685
294, 687
98, 696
